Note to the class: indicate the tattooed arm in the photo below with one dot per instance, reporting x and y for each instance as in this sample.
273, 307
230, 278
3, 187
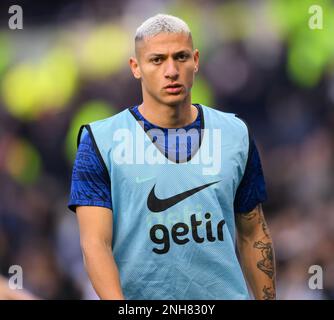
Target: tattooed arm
256, 253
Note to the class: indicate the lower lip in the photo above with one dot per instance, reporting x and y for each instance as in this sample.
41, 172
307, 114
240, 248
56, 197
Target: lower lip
173, 90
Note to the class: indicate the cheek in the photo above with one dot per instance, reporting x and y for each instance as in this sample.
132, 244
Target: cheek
151, 76
190, 73
150, 82
189, 69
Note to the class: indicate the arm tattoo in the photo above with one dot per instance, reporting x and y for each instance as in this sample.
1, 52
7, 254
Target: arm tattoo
249, 216
257, 212
267, 263
262, 221
264, 225
268, 293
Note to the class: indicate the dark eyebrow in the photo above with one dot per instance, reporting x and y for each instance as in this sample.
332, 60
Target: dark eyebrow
176, 54
156, 55
186, 52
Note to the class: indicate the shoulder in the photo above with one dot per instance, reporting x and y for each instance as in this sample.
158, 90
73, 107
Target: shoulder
103, 127
112, 122
229, 119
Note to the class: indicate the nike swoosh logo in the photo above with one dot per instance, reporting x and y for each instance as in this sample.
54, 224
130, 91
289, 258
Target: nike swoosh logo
141, 180
157, 205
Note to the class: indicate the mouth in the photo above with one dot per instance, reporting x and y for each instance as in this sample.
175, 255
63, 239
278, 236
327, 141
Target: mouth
174, 88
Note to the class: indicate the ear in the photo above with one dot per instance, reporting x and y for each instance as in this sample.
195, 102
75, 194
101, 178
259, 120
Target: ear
134, 65
196, 60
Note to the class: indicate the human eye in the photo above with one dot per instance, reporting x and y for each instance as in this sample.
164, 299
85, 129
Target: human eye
183, 57
156, 60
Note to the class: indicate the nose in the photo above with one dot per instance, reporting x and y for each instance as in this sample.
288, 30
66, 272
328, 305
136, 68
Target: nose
171, 71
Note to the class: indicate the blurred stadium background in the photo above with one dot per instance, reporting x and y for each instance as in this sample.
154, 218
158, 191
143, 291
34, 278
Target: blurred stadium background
68, 66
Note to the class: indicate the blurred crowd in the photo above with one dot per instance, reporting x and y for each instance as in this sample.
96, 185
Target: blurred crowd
289, 110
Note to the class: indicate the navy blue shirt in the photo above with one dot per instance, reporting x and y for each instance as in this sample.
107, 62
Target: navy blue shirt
91, 183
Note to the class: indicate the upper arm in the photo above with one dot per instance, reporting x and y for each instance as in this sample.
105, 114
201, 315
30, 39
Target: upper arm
95, 225
90, 185
252, 189
251, 224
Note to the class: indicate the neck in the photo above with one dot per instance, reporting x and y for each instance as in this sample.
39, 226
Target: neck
169, 116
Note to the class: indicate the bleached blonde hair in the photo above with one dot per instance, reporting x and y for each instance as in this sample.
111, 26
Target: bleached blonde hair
161, 23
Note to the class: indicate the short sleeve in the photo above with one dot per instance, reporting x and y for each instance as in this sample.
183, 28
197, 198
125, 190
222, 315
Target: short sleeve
90, 185
252, 188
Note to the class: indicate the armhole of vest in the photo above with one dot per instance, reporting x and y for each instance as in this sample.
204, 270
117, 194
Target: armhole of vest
97, 151
249, 144
79, 134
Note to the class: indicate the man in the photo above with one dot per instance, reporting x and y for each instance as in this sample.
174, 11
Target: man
156, 222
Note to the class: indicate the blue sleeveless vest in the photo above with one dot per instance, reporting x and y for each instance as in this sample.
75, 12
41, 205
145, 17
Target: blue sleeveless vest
173, 223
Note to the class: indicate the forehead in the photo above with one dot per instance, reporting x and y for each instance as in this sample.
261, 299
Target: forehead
164, 43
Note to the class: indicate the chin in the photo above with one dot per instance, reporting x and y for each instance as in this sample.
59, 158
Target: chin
174, 100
